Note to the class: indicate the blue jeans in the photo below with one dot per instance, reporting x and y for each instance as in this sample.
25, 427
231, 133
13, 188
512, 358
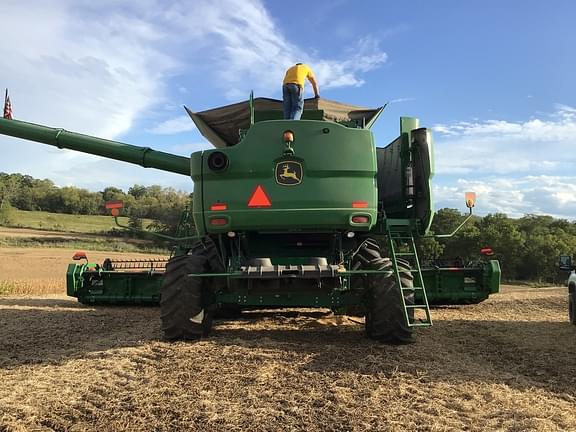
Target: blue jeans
293, 101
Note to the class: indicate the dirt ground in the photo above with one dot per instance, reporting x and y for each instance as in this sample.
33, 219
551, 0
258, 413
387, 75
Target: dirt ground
506, 364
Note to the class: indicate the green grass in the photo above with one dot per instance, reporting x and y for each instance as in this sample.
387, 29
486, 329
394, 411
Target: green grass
65, 222
91, 230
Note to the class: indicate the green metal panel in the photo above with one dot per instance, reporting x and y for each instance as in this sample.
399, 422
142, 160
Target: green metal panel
198, 197
462, 285
338, 168
120, 288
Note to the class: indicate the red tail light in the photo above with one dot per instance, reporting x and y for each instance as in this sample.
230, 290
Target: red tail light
360, 219
218, 207
218, 221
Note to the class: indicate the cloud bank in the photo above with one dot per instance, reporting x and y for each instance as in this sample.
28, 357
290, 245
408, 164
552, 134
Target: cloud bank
516, 167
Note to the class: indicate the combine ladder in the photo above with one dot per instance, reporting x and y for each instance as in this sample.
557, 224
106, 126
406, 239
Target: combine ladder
401, 234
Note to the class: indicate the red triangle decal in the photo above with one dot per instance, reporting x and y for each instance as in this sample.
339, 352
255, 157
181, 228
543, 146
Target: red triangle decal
259, 198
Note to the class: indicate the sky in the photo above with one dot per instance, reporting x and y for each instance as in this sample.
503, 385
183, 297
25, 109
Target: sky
493, 80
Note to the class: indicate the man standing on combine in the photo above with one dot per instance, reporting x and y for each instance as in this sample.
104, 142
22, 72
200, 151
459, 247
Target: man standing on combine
293, 90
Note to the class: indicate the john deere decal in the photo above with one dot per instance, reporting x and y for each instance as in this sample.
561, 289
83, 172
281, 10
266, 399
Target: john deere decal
289, 173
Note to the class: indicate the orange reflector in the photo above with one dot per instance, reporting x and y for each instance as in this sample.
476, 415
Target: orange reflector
115, 212
259, 198
360, 219
218, 207
470, 198
359, 204
218, 221
288, 136
114, 204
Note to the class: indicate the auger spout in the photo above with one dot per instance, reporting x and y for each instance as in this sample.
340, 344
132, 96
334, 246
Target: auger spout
63, 139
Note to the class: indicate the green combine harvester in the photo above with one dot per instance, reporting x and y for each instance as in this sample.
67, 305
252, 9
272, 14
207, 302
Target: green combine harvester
286, 213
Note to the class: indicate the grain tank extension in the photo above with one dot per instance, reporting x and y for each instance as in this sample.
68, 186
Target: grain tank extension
288, 213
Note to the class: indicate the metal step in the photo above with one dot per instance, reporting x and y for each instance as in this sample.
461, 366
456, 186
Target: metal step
404, 234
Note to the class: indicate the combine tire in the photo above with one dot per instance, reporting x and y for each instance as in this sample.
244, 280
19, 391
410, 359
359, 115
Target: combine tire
572, 306
385, 319
183, 314
184, 309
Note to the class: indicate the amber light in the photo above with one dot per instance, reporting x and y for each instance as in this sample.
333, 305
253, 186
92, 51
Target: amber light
288, 136
470, 198
360, 219
218, 221
359, 204
218, 207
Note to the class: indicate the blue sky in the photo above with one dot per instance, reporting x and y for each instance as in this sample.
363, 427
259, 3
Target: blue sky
494, 80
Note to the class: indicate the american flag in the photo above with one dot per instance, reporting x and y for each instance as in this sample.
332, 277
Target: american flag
7, 107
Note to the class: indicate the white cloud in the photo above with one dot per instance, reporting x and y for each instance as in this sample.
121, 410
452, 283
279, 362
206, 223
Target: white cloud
175, 125
542, 195
516, 167
97, 68
497, 146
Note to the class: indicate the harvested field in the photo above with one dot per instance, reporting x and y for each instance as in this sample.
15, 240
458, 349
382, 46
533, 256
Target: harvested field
38, 271
505, 364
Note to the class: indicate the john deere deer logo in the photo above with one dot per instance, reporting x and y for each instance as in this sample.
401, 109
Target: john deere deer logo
288, 173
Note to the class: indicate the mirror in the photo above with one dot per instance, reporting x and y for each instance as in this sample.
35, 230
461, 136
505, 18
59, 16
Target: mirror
565, 262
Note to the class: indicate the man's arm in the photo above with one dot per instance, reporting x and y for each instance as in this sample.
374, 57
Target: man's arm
314, 85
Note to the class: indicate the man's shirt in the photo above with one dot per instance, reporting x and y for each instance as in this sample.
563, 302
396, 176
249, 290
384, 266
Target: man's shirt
297, 74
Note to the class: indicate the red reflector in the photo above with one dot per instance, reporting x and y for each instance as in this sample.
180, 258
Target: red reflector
359, 204
360, 219
114, 204
259, 198
218, 207
79, 255
218, 221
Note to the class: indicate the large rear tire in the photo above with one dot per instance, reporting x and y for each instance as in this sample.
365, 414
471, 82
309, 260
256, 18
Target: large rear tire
185, 302
385, 318
182, 310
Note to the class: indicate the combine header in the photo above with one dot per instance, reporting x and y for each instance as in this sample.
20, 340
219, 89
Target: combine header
287, 213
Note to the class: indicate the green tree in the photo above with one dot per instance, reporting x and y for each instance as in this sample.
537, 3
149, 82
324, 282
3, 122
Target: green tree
502, 235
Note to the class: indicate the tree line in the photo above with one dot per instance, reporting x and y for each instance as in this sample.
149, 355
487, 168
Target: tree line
527, 248
163, 205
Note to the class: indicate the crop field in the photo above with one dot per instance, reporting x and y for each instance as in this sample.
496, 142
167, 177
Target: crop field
508, 363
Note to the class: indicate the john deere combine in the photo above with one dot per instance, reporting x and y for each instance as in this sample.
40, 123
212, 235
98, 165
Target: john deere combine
285, 213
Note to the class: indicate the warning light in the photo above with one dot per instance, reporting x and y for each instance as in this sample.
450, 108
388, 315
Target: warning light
288, 136
218, 207
115, 212
470, 198
359, 204
259, 198
114, 204
80, 255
